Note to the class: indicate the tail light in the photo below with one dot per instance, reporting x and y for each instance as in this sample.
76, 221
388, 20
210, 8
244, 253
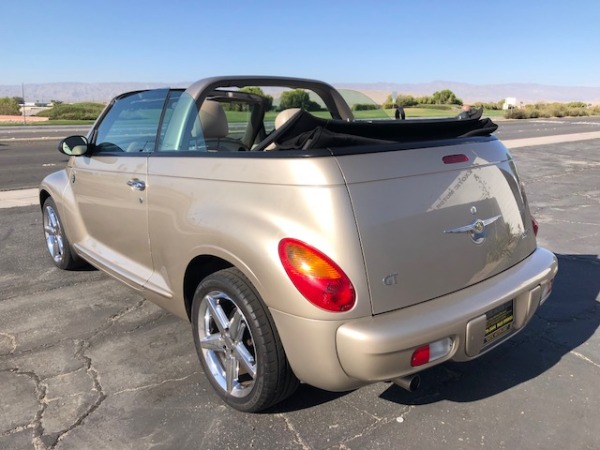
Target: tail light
430, 352
317, 277
534, 222
453, 159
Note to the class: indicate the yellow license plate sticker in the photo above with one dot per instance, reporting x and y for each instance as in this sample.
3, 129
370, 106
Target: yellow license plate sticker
499, 322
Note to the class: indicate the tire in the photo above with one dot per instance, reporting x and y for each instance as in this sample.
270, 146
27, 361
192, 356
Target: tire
57, 243
238, 345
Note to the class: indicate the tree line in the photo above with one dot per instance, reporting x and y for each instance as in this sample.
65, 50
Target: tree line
299, 98
9, 106
443, 97
295, 98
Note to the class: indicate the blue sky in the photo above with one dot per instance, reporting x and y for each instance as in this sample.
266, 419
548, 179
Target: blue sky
479, 42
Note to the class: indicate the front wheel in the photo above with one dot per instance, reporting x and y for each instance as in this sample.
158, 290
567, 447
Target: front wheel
56, 240
237, 343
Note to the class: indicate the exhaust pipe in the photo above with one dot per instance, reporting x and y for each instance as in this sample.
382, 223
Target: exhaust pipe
411, 383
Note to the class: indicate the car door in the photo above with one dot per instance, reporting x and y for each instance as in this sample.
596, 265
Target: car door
110, 186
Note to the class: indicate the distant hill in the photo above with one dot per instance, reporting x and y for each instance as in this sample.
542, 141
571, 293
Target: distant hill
470, 93
76, 92
527, 93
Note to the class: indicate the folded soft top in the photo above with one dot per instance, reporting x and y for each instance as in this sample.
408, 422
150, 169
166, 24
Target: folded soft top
304, 131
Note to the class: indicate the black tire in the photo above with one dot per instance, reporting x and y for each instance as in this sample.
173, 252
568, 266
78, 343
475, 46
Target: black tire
241, 353
58, 245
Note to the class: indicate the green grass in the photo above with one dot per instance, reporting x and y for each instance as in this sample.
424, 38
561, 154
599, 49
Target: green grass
243, 116
493, 113
413, 112
416, 112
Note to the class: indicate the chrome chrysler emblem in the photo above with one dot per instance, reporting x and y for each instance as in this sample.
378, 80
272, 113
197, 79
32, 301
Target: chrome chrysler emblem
476, 229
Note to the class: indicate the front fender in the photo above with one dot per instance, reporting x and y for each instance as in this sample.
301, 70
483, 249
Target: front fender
57, 185
53, 185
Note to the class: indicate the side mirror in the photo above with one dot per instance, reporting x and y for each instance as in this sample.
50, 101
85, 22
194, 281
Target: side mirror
73, 146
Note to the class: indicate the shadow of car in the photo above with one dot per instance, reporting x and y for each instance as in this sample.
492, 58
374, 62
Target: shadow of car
569, 318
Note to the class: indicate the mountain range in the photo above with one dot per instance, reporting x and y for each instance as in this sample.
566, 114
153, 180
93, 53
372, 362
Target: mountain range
469, 93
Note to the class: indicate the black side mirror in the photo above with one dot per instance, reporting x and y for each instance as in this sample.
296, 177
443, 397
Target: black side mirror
74, 146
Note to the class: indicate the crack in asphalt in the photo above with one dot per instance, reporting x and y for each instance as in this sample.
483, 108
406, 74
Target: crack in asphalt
36, 423
91, 334
379, 422
584, 358
40, 440
297, 436
93, 374
374, 426
150, 322
122, 313
153, 385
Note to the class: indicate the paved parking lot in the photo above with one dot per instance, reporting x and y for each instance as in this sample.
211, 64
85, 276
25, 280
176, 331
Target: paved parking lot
86, 363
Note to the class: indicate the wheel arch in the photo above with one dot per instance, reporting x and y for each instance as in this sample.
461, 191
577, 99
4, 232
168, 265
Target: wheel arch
54, 185
197, 270
43, 195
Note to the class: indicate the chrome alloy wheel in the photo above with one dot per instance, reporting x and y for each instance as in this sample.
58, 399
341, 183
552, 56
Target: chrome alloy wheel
227, 344
55, 239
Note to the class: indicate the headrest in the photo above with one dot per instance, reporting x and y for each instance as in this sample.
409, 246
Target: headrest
213, 120
285, 115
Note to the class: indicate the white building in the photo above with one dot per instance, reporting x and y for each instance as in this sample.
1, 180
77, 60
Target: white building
509, 103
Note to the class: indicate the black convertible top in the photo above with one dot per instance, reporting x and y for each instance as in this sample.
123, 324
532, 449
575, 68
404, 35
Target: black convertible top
305, 131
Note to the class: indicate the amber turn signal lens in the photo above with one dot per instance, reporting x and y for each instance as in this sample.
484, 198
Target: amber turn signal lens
316, 276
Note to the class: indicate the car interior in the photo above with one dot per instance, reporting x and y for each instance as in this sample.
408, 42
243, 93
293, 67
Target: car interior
234, 121
298, 129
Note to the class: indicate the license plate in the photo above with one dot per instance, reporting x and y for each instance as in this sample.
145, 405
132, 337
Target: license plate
499, 322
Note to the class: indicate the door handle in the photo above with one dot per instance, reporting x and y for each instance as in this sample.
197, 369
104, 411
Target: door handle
136, 184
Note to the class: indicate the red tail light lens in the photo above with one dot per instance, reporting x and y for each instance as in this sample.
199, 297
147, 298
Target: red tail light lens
420, 356
431, 352
535, 225
453, 159
317, 277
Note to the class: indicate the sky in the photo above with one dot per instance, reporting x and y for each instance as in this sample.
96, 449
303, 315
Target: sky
478, 42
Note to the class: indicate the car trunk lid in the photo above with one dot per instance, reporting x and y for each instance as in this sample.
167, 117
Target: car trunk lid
436, 219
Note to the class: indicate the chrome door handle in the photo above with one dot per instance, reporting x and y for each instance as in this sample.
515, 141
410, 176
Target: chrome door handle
136, 184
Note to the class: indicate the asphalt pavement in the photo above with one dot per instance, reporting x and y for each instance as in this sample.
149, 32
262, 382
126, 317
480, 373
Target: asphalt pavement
522, 129
87, 363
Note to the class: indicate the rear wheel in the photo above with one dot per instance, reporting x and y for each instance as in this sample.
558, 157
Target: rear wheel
237, 343
58, 245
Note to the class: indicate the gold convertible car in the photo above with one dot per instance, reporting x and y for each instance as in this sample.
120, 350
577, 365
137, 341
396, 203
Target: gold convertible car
303, 244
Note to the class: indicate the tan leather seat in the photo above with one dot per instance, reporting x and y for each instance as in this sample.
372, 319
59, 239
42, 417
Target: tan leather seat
213, 123
281, 119
213, 120
284, 116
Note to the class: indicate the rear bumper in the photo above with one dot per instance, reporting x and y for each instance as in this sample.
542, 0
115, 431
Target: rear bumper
344, 355
380, 347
